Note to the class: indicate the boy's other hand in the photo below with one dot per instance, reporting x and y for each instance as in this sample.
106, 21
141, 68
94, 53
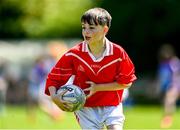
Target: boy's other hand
91, 89
63, 105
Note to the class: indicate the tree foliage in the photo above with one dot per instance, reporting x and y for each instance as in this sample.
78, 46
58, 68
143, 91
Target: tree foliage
41, 18
143, 26
140, 26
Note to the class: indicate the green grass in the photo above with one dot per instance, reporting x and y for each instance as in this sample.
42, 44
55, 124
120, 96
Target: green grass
138, 117
16, 117
147, 117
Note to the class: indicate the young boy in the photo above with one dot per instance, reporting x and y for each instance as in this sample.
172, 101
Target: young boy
101, 68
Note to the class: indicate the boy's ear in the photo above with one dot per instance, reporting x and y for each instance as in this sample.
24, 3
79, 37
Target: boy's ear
106, 29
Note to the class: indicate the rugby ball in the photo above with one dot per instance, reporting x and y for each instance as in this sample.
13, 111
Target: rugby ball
74, 95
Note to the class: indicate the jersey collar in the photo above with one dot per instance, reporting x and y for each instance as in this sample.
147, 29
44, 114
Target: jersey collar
108, 51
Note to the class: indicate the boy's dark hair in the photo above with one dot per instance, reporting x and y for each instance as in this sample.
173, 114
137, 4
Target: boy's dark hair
97, 16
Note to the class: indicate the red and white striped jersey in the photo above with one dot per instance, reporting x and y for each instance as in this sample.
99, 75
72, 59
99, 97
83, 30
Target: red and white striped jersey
114, 66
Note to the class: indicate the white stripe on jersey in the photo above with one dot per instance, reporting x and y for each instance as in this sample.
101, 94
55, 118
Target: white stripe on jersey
103, 67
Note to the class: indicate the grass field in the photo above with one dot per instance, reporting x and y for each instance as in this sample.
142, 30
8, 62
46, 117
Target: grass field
137, 117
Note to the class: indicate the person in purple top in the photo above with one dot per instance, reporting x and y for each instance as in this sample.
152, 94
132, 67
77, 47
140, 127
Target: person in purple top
169, 77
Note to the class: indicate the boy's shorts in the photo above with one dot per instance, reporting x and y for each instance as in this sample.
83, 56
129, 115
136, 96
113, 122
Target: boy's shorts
97, 117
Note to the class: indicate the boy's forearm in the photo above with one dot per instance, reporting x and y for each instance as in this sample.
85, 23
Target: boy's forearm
52, 90
112, 86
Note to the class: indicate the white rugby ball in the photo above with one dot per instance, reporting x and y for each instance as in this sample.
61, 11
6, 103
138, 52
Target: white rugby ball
74, 95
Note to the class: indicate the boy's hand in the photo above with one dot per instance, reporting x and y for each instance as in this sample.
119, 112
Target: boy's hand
63, 105
91, 89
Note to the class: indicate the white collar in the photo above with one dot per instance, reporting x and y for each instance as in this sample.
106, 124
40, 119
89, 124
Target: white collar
109, 47
108, 51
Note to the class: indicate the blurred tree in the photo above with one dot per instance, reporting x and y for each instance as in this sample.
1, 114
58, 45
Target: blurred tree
139, 26
54, 18
10, 19
142, 26
41, 18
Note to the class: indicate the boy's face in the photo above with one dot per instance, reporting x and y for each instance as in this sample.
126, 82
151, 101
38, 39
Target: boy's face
93, 33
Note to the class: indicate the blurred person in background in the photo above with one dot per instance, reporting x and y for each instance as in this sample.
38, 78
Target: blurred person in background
37, 79
36, 76
169, 82
3, 87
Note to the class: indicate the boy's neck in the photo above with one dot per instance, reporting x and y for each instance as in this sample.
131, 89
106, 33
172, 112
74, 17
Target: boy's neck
97, 48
